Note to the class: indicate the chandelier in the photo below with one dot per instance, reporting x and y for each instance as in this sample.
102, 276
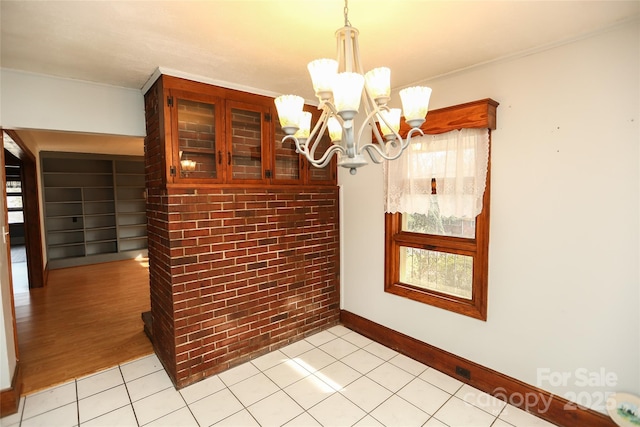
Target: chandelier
341, 86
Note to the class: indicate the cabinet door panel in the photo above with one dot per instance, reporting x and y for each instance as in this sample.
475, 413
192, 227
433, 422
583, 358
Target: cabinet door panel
246, 133
286, 161
197, 129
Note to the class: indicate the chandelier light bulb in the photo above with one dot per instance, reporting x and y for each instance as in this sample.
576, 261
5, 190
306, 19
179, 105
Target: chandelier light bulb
378, 83
347, 91
289, 109
415, 104
335, 130
304, 126
392, 117
322, 72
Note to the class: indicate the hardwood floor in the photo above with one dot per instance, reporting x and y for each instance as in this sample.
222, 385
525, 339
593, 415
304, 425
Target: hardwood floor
86, 319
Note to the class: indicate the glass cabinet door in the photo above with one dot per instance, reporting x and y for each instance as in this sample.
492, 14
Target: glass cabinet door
287, 163
246, 150
197, 124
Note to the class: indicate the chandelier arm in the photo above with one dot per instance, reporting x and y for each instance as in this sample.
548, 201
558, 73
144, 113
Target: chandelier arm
322, 125
374, 153
322, 118
304, 150
370, 104
369, 121
372, 148
326, 158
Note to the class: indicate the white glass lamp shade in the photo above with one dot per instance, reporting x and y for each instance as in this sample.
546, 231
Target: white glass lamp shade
323, 71
304, 125
392, 116
378, 83
335, 130
415, 104
289, 109
347, 91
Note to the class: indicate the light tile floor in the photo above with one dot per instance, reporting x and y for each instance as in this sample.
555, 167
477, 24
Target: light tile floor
333, 378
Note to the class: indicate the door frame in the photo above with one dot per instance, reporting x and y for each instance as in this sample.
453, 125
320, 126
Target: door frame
31, 208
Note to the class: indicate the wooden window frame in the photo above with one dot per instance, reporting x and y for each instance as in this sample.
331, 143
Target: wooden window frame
478, 114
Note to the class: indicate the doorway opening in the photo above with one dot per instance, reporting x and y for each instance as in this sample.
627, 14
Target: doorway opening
15, 215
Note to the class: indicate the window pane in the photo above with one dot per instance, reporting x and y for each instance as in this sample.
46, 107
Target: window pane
14, 202
16, 217
14, 187
438, 271
433, 223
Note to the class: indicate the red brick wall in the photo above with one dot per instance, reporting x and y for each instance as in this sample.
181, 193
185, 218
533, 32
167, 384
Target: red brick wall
251, 270
234, 272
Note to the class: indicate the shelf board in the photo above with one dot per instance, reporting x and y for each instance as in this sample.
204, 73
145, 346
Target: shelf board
127, 239
65, 245
63, 202
67, 230
78, 187
102, 227
76, 173
88, 242
196, 150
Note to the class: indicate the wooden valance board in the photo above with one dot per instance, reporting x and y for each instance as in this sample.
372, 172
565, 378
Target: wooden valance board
476, 114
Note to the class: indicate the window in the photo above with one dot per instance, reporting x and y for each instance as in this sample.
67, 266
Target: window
439, 257
442, 262
14, 195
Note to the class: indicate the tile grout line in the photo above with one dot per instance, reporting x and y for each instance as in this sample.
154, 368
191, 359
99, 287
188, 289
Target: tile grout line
188, 407
128, 395
24, 403
75, 383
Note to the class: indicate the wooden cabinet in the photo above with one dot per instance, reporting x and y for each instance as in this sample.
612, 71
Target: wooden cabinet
215, 135
94, 208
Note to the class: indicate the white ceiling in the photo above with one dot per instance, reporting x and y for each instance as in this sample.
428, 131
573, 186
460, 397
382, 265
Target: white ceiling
266, 44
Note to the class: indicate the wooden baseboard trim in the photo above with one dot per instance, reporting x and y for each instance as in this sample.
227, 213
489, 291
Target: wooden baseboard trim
10, 397
538, 402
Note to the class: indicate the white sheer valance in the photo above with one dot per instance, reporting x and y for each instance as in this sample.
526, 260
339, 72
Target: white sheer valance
458, 160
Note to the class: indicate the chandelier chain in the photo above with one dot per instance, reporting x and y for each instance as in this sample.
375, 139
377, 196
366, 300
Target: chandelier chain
346, 14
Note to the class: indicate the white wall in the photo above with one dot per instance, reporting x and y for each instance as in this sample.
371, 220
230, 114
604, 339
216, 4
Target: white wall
564, 273
35, 101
